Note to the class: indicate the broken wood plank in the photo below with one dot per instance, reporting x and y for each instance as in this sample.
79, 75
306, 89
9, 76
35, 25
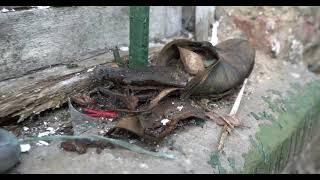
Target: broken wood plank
50, 87
204, 17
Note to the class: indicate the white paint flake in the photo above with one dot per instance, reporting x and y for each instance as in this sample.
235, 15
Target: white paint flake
164, 121
25, 147
124, 48
41, 7
44, 134
180, 108
214, 34
275, 46
41, 143
91, 69
25, 128
48, 132
4, 10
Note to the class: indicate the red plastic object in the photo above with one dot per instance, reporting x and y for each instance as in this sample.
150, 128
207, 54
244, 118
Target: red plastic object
100, 113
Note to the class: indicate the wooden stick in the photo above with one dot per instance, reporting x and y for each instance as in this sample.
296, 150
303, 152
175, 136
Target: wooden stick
226, 129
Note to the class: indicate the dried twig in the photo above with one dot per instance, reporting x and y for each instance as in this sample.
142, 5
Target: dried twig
227, 129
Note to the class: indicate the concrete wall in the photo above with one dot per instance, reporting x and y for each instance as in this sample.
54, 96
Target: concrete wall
37, 38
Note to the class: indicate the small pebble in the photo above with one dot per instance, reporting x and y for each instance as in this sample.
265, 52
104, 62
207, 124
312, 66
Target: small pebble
25, 128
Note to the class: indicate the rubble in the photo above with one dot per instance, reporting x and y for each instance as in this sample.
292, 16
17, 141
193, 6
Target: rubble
144, 101
153, 101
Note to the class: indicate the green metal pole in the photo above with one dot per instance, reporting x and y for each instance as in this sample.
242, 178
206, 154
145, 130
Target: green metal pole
139, 36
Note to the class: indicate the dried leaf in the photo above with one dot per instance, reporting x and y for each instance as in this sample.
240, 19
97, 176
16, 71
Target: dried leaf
236, 57
160, 96
130, 123
130, 101
192, 61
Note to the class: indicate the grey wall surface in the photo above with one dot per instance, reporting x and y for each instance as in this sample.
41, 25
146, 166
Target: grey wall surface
37, 38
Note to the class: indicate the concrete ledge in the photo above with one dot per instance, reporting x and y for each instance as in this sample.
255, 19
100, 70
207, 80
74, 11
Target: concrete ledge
279, 107
296, 121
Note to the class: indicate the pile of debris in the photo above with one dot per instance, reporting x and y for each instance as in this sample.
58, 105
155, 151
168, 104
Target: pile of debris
150, 101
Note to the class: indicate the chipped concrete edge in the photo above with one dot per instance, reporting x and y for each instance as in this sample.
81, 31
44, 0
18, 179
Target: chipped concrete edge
274, 145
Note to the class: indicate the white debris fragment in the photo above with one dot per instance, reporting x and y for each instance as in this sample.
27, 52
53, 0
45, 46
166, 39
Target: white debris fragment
40, 143
25, 147
172, 102
151, 44
214, 34
3, 96
4, 10
55, 118
12, 10
296, 51
91, 69
144, 166
275, 46
41, 7
180, 108
25, 128
164, 121
77, 74
124, 48
51, 130
45, 123
44, 134
295, 75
